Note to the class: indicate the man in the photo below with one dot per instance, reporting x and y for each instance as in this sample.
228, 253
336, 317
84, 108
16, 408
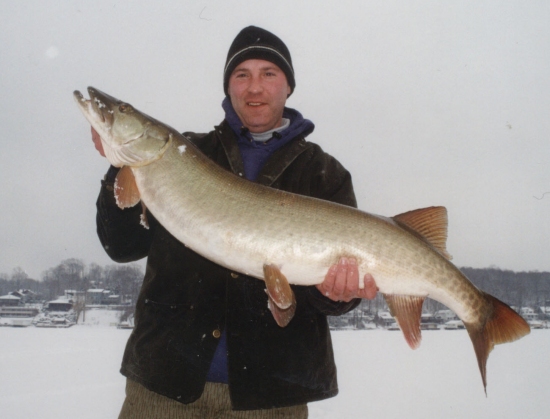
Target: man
205, 343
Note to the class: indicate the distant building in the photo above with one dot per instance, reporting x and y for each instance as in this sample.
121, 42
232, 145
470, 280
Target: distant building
443, 316
427, 318
384, 318
17, 311
75, 297
528, 313
96, 296
10, 300
112, 299
61, 304
545, 311
27, 296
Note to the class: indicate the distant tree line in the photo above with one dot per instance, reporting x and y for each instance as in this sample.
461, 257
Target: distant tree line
519, 289
74, 274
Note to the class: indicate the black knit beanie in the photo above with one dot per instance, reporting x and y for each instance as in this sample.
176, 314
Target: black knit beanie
257, 43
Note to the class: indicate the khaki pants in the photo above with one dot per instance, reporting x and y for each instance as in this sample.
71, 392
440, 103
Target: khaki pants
141, 403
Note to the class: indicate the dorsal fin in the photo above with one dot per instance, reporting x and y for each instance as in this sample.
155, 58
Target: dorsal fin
126, 190
430, 223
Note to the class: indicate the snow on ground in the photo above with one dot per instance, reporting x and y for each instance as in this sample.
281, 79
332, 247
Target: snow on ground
61, 373
54, 373
381, 377
99, 317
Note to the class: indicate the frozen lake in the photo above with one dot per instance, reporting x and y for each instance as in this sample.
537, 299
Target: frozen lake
56, 373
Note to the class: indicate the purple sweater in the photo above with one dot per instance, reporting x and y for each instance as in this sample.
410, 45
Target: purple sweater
254, 154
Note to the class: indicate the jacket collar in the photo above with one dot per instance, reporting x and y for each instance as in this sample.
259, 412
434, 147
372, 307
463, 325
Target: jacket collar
284, 149
275, 166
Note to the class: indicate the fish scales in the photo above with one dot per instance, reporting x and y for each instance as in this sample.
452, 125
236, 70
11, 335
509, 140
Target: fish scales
241, 225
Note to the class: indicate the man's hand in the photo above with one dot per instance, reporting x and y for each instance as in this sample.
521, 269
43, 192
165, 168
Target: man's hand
342, 282
97, 142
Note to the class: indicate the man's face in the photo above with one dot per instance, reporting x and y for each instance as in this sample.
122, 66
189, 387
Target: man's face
258, 90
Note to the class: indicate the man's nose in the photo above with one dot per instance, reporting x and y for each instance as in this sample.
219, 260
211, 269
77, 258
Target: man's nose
255, 85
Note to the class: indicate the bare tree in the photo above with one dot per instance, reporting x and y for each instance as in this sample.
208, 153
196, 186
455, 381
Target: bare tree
125, 280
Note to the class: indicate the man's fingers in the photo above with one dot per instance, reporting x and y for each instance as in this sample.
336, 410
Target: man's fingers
340, 280
352, 279
346, 284
370, 290
326, 286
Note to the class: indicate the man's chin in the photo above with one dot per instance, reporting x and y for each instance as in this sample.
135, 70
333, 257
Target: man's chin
257, 126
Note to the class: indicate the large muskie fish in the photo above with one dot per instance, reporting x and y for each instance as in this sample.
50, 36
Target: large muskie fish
284, 238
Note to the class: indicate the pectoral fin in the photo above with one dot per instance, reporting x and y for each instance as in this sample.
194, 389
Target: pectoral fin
281, 299
407, 310
126, 190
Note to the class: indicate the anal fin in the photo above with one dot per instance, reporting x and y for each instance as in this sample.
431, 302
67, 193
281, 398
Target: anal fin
282, 302
126, 190
407, 310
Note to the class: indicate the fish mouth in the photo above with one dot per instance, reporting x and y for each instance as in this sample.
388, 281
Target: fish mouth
99, 107
83, 103
99, 111
100, 115
127, 143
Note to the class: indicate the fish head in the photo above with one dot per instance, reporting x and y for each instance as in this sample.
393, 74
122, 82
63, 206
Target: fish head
129, 137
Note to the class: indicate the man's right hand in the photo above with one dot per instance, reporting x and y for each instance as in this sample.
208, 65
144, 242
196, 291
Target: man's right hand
97, 142
342, 282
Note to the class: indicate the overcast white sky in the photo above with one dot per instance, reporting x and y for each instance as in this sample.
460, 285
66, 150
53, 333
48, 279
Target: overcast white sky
425, 102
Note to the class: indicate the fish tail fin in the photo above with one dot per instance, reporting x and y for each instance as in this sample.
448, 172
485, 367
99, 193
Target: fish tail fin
502, 325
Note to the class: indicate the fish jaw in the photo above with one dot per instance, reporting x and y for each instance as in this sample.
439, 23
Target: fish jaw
98, 113
129, 137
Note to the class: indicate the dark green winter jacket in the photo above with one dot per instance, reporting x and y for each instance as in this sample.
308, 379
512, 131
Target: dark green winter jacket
186, 300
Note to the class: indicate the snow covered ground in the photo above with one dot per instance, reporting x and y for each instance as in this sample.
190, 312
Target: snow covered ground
55, 373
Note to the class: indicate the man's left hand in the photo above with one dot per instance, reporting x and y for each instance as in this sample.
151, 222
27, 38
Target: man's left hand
342, 282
